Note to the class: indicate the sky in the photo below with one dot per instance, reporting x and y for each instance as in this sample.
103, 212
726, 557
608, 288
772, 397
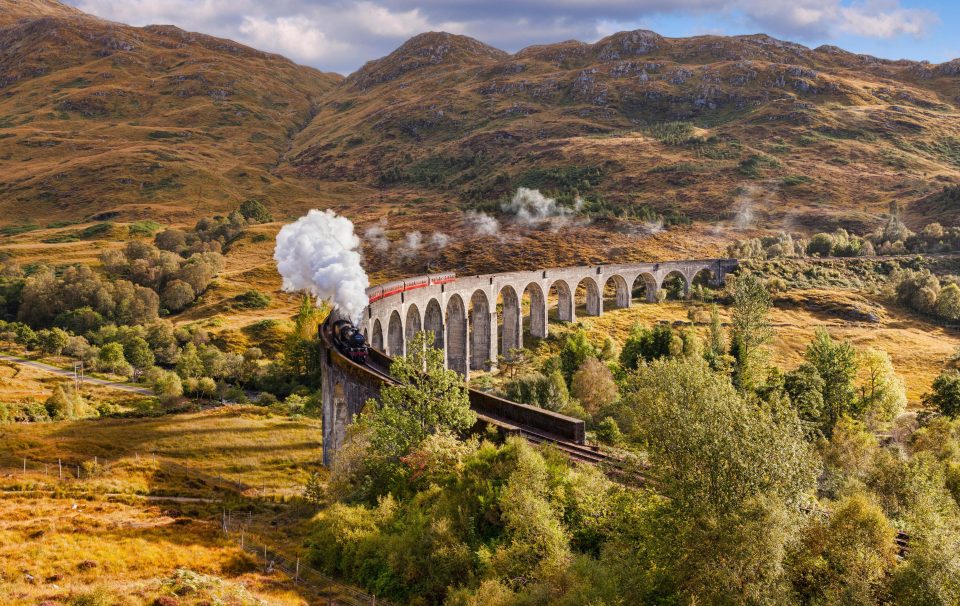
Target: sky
341, 35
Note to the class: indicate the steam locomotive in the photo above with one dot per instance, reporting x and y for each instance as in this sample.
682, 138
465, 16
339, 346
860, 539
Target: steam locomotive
350, 341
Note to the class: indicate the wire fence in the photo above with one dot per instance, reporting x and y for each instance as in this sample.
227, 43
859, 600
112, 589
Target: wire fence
294, 566
236, 526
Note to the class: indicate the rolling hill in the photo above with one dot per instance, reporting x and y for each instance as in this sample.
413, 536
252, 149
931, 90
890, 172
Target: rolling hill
698, 126
99, 118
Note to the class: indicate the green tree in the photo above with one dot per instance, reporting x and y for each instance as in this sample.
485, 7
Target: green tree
111, 358
820, 245
846, 559
697, 426
427, 398
255, 211
883, 395
167, 385
190, 365
66, 403
649, 344
733, 476
576, 349
301, 350
53, 340
804, 386
750, 330
944, 396
137, 352
836, 363
948, 302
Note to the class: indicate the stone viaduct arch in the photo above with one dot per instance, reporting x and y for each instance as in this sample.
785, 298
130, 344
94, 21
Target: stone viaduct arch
463, 313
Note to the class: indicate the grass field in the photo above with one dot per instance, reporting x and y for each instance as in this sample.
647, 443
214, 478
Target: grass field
61, 539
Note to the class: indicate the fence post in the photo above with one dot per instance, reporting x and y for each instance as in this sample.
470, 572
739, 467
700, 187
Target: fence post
60, 467
78, 471
24, 465
296, 574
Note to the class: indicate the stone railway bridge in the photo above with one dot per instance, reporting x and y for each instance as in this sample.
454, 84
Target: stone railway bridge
462, 312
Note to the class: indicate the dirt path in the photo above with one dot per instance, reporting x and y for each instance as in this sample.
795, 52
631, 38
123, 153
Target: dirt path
69, 373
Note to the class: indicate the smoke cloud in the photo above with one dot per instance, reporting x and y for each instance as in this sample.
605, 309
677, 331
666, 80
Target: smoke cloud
440, 239
530, 206
319, 253
482, 223
745, 201
376, 236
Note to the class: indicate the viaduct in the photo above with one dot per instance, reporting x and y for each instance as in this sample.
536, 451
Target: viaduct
475, 319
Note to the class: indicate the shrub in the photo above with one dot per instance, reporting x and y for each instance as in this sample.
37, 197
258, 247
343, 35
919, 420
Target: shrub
608, 432
255, 211
252, 299
944, 396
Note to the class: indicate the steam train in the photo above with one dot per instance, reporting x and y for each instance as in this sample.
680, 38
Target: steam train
350, 341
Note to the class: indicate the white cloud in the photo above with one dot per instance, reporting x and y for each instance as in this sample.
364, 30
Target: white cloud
341, 35
297, 37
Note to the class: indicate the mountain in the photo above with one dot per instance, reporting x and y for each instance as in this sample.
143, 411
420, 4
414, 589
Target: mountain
100, 118
706, 127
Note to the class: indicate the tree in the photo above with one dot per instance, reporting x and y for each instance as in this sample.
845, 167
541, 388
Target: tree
66, 403
189, 365
166, 384
576, 349
177, 294
255, 211
751, 330
697, 426
804, 386
138, 353
948, 302
111, 358
52, 341
944, 396
733, 475
426, 399
649, 344
608, 432
883, 394
208, 387
836, 364
846, 558
593, 386
820, 245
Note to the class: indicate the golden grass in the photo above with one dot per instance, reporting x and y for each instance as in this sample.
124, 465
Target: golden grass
239, 459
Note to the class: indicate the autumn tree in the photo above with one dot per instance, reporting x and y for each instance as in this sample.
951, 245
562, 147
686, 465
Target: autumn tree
750, 331
593, 385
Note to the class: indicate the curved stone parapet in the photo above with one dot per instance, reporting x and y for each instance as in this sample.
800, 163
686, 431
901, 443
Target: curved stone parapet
461, 311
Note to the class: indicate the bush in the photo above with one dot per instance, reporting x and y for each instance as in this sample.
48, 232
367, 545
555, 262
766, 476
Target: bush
945, 394
252, 299
608, 432
255, 212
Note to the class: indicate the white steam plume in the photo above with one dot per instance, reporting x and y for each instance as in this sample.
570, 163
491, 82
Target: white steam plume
439, 239
530, 207
376, 236
482, 223
412, 243
745, 201
319, 253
